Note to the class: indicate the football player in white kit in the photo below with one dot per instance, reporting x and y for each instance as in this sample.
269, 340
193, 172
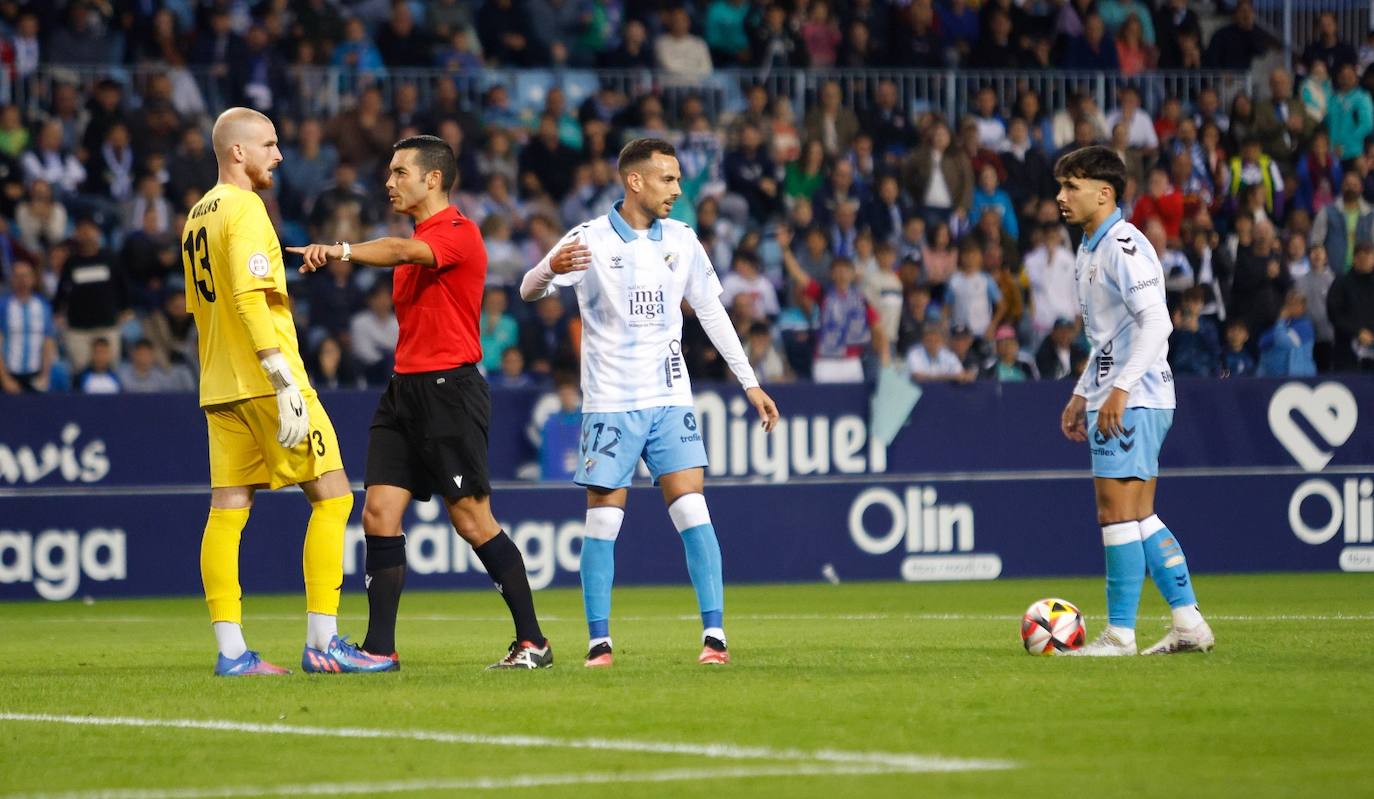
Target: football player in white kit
631, 269
1123, 404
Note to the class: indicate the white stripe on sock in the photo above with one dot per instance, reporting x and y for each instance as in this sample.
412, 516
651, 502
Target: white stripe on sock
1114, 535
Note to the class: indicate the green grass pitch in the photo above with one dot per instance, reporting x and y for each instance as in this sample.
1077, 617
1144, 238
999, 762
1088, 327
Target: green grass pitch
865, 689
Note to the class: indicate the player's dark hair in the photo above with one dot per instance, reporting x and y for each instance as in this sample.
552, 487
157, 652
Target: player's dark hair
1094, 162
640, 150
432, 154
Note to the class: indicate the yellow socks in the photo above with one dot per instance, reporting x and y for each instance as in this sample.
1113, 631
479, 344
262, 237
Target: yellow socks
323, 556
219, 563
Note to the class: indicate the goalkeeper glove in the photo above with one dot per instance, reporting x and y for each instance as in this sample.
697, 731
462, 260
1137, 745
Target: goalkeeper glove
293, 419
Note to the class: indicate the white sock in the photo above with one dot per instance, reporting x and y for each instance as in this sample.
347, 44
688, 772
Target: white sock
595, 642
1123, 634
229, 636
713, 632
1187, 617
320, 630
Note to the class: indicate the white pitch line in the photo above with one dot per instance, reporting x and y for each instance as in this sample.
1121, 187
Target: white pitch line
472, 783
691, 617
718, 751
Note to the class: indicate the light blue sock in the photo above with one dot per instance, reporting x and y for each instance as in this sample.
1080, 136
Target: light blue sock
704, 567
598, 574
1168, 566
598, 567
1125, 572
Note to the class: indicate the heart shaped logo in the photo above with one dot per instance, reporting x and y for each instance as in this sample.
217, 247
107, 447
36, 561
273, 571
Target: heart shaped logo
1331, 410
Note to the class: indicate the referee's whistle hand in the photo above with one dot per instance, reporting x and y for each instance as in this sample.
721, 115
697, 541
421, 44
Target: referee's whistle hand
571, 257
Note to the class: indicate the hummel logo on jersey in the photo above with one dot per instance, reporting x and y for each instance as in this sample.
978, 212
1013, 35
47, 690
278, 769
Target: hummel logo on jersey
1129, 250
617, 262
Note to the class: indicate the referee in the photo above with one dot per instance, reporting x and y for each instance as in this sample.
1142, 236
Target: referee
429, 435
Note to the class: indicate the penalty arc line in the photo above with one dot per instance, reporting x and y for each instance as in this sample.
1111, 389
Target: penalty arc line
474, 783
719, 751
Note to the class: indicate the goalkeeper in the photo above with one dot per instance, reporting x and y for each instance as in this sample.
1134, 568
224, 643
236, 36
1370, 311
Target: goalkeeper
267, 427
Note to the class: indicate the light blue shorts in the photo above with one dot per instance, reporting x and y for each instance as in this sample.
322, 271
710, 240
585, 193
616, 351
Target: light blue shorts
667, 438
1136, 452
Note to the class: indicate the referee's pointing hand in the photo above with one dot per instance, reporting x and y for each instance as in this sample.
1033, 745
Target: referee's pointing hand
571, 257
316, 255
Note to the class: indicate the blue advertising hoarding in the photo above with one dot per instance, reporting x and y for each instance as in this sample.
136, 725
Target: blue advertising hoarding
107, 496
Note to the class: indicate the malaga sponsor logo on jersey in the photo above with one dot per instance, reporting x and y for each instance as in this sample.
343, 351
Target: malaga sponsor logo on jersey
648, 306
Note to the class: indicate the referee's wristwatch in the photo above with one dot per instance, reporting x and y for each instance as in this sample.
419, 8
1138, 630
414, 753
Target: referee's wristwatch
347, 251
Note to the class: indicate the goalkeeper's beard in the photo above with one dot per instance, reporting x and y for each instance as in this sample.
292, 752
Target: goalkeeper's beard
260, 177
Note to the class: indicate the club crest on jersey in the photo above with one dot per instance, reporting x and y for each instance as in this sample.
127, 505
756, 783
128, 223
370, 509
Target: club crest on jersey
670, 261
258, 265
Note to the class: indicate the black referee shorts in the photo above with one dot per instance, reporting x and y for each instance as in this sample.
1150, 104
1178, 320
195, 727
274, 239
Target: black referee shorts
429, 435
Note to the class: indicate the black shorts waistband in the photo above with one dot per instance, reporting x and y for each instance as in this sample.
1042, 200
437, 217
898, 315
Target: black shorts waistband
462, 370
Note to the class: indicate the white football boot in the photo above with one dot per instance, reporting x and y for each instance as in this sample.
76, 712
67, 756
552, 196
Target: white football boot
1198, 638
1106, 645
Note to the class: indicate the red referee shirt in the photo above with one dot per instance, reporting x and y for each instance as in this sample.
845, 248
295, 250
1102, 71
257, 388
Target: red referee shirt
438, 306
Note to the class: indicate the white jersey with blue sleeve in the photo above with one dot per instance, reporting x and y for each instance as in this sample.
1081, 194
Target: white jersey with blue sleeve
630, 299
1121, 294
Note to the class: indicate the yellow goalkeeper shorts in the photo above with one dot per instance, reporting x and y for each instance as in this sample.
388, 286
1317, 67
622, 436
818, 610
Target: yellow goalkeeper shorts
244, 449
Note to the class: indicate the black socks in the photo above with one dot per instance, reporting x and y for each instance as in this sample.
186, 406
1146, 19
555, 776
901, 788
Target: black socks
506, 567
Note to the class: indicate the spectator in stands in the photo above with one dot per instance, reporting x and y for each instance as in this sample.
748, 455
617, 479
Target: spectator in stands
763, 354
547, 341
830, 122
357, 52
1238, 44
821, 35
996, 49
1283, 127
1286, 348
1236, 360
149, 197
1009, 364
545, 163
143, 375
1162, 201
1140, 128
1049, 268
41, 219
745, 279
1060, 355
751, 174
1327, 48
92, 296
990, 198
1350, 305
845, 325
560, 436
1343, 224
885, 214
1094, 50
917, 312
14, 134
1134, 53
973, 300
149, 256
400, 43
804, 176
306, 167
28, 335
1252, 168
334, 298
499, 330
726, 35
1349, 115
372, 334
1319, 175
891, 129
1261, 282
51, 162
364, 135
1195, 343
99, 375
511, 373
1315, 286
635, 51
679, 53
932, 362
1029, 173
333, 368
939, 177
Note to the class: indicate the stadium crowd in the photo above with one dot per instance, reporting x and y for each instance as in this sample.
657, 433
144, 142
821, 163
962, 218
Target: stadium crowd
859, 232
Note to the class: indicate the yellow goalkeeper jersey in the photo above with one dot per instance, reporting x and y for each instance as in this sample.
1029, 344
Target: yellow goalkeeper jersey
229, 247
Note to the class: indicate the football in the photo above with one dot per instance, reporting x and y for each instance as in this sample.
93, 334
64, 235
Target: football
1052, 625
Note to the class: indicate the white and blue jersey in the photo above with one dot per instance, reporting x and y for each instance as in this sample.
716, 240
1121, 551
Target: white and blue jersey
637, 397
1119, 278
24, 327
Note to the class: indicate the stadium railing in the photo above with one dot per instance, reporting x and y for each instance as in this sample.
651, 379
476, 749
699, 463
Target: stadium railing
325, 91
